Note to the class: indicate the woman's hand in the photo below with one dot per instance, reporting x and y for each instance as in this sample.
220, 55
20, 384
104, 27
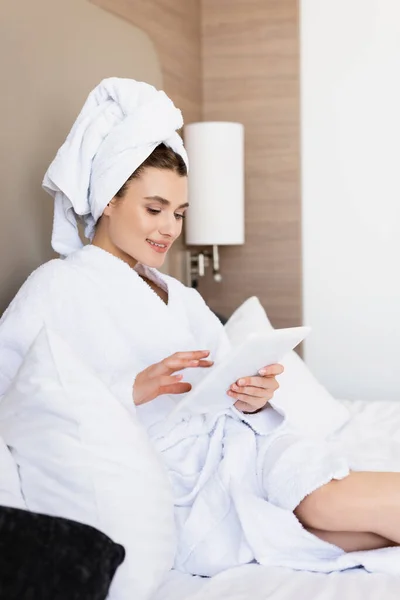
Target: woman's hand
253, 393
158, 379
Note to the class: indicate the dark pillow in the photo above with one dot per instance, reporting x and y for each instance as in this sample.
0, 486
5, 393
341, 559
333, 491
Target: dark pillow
50, 558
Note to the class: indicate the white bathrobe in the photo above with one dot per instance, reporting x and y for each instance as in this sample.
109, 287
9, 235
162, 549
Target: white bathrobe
236, 478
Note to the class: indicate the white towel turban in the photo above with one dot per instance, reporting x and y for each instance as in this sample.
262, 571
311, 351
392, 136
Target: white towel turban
119, 126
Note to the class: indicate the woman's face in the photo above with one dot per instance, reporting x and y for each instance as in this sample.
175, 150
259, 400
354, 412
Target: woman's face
145, 222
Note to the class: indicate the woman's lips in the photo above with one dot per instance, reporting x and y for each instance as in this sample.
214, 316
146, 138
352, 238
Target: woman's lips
159, 249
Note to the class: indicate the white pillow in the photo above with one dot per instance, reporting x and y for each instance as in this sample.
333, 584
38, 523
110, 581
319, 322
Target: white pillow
309, 406
82, 455
10, 491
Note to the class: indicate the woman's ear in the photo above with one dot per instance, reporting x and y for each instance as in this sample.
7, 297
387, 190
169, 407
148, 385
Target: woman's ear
108, 209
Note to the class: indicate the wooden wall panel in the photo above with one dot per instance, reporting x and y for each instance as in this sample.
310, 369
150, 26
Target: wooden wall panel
174, 26
239, 60
250, 65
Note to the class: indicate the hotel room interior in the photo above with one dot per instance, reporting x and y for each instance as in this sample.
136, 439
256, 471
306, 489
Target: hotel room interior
308, 93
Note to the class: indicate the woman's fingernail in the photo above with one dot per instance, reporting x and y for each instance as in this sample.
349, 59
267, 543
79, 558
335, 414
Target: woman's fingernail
262, 372
241, 382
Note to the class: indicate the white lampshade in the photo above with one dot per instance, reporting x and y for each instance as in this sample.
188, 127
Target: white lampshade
216, 183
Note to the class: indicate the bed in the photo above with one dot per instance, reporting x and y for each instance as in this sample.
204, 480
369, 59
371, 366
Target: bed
373, 432
371, 436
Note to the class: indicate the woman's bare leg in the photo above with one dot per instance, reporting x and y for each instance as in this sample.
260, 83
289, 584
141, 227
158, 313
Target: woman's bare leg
351, 541
361, 502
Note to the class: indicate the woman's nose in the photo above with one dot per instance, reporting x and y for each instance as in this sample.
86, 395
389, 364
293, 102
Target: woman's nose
169, 226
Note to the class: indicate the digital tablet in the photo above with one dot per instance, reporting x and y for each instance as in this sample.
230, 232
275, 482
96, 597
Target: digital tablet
257, 351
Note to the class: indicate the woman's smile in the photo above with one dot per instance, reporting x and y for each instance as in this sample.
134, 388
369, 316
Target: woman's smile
158, 246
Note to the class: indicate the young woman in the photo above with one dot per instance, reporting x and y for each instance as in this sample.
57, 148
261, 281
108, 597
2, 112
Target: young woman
123, 172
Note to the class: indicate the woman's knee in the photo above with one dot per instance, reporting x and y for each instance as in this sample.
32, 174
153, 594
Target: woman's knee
317, 510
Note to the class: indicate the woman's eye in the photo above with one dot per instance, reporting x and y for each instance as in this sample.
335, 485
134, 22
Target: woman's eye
155, 211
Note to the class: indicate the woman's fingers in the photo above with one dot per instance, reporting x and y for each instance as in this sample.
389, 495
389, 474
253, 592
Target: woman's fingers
190, 355
179, 387
255, 386
205, 363
158, 379
246, 408
251, 392
271, 370
183, 360
253, 403
168, 380
172, 384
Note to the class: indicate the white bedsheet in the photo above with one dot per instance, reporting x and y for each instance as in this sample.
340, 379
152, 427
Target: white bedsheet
373, 435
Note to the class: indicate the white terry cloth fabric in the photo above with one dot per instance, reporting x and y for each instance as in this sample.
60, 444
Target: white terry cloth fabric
119, 126
233, 503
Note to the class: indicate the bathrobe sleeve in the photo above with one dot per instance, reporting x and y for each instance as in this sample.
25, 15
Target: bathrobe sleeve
209, 330
21, 323
48, 297
206, 327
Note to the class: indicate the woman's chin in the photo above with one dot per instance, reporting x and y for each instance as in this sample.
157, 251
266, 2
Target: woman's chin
156, 261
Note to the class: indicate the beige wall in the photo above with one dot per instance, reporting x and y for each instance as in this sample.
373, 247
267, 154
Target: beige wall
251, 75
47, 72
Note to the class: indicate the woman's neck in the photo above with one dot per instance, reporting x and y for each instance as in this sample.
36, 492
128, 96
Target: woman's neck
102, 240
